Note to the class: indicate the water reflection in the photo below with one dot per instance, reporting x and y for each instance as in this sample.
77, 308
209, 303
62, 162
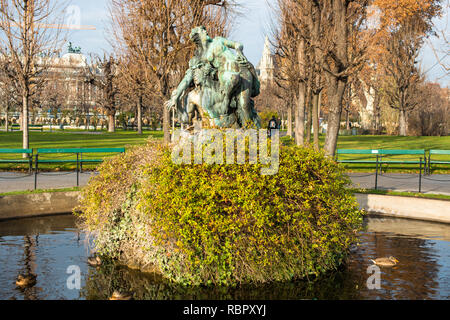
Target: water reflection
44, 247
29, 266
417, 245
412, 228
47, 246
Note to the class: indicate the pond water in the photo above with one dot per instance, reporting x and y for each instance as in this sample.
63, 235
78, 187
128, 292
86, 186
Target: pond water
48, 246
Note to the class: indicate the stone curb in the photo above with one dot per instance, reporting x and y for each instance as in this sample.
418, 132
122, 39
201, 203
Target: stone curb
405, 207
37, 204
54, 203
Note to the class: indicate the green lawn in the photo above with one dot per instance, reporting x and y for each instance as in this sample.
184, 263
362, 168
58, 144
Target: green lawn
390, 142
14, 193
71, 139
75, 139
122, 138
403, 194
395, 142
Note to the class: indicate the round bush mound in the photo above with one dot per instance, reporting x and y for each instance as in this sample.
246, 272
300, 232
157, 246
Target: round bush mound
221, 224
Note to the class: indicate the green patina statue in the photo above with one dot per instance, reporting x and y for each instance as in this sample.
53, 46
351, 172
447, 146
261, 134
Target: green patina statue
72, 49
219, 84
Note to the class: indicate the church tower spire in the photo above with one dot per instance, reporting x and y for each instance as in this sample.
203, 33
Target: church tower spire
266, 64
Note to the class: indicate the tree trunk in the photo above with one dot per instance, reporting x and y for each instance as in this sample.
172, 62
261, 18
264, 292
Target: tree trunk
347, 119
317, 57
319, 104
25, 136
6, 121
347, 110
315, 119
337, 84
299, 115
111, 121
309, 118
377, 114
289, 121
139, 115
403, 124
166, 125
164, 85
336, 88
86, 127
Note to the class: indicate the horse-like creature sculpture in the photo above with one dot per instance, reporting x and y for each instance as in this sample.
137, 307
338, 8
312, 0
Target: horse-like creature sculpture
219, 84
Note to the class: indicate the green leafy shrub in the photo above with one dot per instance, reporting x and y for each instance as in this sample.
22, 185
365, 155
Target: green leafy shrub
287, 141
222, 224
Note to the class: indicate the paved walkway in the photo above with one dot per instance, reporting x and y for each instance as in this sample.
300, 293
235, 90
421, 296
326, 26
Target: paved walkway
437, 183
14, 181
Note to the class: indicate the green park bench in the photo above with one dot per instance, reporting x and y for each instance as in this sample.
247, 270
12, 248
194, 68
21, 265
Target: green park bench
28, 160
367, 155
79, 160
382, 156
31, 127
393, 152
440, 161
60, 155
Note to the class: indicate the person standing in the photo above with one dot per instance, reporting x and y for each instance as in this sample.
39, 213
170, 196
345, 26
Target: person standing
273, 125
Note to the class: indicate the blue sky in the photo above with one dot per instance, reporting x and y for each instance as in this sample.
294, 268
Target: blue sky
250, 28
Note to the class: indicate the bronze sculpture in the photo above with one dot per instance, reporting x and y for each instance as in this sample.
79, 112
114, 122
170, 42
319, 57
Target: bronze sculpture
219, 84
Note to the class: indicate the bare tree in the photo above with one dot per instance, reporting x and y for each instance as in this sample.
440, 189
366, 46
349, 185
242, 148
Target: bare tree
103, 74
133, 87
430, 117
441, 50
344, 23
154, 34
323, 34
53, 93
403, 30
444, 51
9, 89
28, 46
403, 77
290, 73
